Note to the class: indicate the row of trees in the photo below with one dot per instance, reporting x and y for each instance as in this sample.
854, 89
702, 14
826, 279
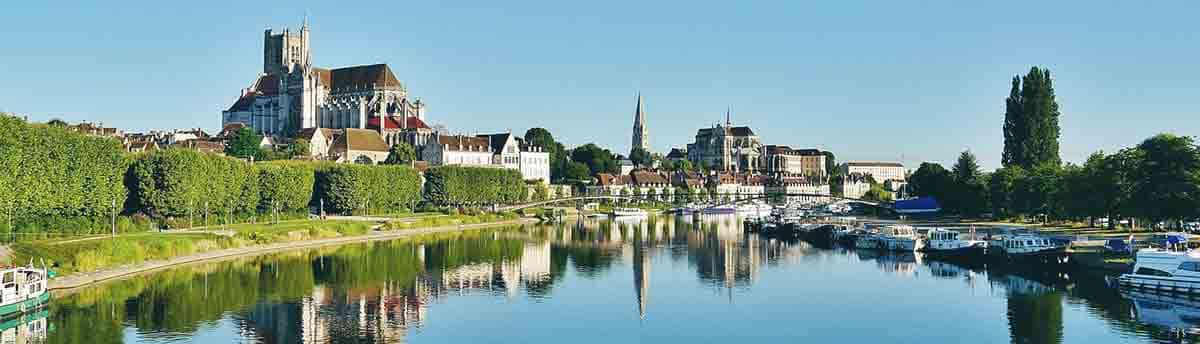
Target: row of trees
473, 186
51, 174
1157, 180
57, 180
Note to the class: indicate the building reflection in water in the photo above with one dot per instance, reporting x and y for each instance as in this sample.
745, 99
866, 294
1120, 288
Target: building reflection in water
345, 293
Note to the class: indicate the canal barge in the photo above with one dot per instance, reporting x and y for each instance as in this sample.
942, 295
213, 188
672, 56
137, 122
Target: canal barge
22, 289
1026, 246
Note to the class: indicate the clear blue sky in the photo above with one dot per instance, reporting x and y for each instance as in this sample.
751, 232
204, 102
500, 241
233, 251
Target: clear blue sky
920, 80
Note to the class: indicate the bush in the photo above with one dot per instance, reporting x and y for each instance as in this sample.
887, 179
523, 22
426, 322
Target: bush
349, 188
462, 185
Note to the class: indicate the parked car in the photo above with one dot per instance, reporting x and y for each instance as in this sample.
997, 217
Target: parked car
1117, 246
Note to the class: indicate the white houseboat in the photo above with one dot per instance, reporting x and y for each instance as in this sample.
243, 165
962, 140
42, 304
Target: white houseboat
628, 212
898, 238
22, 289
1026, 245
947, 242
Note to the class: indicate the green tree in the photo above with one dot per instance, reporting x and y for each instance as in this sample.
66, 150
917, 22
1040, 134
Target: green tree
577, 171
401, 154
683, 166
244, 144
57, 123
1031, 128
1001, 187
969, 194
932, 180
598, 160
877, 194
299, 148
1166, 180
831, 167
640, 157
1039, 193
541, 192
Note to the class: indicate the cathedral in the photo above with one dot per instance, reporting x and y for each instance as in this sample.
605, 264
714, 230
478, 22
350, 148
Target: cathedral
290, 95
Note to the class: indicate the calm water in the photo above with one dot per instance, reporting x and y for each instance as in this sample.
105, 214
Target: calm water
660, 280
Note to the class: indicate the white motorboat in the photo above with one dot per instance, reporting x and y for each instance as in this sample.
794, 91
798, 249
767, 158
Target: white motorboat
947, 242
898, 238
754, 210
628, 212
1164, 270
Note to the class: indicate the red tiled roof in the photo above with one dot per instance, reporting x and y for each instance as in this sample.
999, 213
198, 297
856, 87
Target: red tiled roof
395, 122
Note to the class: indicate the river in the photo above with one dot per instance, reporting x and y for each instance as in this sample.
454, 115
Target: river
662, 279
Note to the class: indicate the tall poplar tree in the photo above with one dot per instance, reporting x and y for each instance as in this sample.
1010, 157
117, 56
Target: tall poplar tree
1031, 128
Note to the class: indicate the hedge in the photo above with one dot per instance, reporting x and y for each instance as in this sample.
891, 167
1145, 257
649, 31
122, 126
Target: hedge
351, 188
178, 182
463, 185
285, 186
52, 177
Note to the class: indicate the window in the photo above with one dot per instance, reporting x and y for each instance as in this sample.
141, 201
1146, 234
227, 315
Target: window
8, 277
1152, 272
1190, 266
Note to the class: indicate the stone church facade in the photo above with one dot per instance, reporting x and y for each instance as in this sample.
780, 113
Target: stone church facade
291, 94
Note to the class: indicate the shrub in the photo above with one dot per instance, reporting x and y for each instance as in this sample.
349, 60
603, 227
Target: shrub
177, 182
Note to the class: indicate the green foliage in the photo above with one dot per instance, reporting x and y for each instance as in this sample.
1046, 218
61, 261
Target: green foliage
969, 192
401, 154
640, 157
831, 167
932, 180
1039, 192
465, 185
299, 148
1031, 128
285, 186
350, 188
244, 144
877, 194
577, 171
53, 175
1001, 186
682, 166
598, 160
181, 182
1166, 179
541, 192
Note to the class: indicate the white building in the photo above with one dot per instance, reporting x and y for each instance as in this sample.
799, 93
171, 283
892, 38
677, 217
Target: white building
880, 171
458, 150
511, 152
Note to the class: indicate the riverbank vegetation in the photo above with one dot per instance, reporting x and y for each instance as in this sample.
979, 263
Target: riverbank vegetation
1156, 181
65, 183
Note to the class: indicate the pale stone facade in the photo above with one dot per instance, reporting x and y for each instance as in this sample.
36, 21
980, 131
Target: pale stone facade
784, 159
291, 94
880, 171
726, 148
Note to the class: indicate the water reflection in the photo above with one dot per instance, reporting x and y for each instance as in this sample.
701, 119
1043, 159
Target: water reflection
385, 291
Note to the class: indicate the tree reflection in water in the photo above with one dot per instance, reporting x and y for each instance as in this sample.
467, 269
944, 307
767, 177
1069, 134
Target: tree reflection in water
380, 292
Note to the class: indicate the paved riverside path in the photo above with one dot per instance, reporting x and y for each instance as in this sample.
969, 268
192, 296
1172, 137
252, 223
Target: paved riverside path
67, 284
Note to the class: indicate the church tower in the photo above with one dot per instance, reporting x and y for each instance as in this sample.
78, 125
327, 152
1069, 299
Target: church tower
641, 138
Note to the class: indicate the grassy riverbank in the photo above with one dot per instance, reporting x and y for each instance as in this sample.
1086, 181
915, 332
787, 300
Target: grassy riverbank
89, 254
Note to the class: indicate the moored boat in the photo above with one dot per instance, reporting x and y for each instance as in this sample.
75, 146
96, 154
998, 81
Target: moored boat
628, 212
898, 238
1026, 246
22, 289
1165, 270
948, 243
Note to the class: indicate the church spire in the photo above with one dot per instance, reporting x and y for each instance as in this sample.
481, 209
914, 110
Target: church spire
641, 138
728, 123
